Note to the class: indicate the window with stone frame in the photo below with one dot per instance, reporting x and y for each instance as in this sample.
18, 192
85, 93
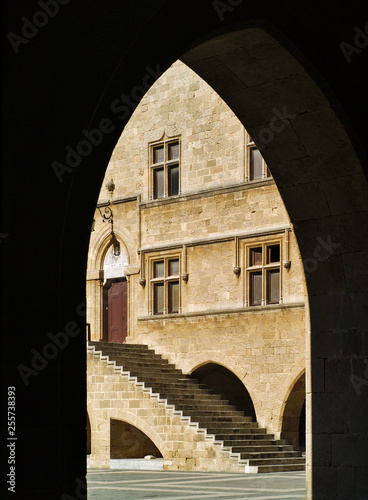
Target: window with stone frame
165, 169
257, 168
263, 273
165, 285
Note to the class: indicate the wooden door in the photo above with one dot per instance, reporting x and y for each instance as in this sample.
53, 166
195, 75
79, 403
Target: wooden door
117, 311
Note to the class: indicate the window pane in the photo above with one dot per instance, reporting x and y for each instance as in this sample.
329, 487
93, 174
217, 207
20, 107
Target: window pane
173, 296
273, 254
174, 267
158, 154
158, 298
273, 285
255, 285
158, 183
255, 164
256, 256
159, 271
174, 180
173, 151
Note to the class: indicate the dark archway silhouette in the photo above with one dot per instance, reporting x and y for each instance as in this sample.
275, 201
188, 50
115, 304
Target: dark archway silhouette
75, 67
227, 384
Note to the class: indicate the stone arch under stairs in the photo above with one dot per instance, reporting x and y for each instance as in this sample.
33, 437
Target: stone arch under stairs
114, 393
233, 444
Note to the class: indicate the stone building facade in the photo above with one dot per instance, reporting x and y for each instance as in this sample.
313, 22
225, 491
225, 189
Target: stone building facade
200, 264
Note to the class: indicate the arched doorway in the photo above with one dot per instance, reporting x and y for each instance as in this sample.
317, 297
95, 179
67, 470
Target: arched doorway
224, 382
107, 286
115, 296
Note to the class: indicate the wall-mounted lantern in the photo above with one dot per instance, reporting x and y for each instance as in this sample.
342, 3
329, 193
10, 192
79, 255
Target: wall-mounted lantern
108, 216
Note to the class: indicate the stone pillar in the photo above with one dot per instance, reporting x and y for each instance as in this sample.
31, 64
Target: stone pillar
94, 303
100, 443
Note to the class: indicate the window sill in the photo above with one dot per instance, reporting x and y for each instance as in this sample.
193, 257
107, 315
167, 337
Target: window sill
212, 312
208, 192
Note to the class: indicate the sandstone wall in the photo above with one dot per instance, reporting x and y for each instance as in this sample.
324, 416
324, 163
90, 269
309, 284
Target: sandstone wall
209, 224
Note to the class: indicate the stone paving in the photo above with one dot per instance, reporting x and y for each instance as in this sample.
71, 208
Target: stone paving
142, 485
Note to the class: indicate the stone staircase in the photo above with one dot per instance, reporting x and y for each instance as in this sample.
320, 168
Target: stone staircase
246, 441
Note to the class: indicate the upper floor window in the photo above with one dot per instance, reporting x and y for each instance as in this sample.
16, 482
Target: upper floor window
257, 166
165, 285
263, 273
165, 169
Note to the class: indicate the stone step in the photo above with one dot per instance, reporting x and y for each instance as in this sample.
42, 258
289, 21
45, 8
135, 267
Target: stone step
216, 427
171, 387
224, 418
203, 408
193, 397
143, 359
254, 431
198, 398
145, 364
155, 374
266, 455
258, 449
129, 350
174, 387
101, 345
263, 469
171, 397
278, 461
179, 380
217, 412
249, 441
243, 431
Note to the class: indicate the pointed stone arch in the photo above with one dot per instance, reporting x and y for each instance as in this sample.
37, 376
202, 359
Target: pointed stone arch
100, 244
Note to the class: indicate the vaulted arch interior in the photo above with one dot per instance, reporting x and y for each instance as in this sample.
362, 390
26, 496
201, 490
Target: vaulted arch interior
224, 382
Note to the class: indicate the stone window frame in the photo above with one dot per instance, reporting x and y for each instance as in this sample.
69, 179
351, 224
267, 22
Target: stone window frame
166, 164
251, 146
166, 281
265, 267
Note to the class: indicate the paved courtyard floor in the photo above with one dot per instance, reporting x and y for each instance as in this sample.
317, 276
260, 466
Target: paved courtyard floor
138, 485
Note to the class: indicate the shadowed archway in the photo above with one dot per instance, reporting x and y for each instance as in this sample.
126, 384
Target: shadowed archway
127, 441
88, 436
293, 421
84, 63
224, 382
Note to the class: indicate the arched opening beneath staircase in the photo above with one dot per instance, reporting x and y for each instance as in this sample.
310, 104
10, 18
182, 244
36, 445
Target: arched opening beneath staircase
88, 435
293, 420
224, 382
127, 441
